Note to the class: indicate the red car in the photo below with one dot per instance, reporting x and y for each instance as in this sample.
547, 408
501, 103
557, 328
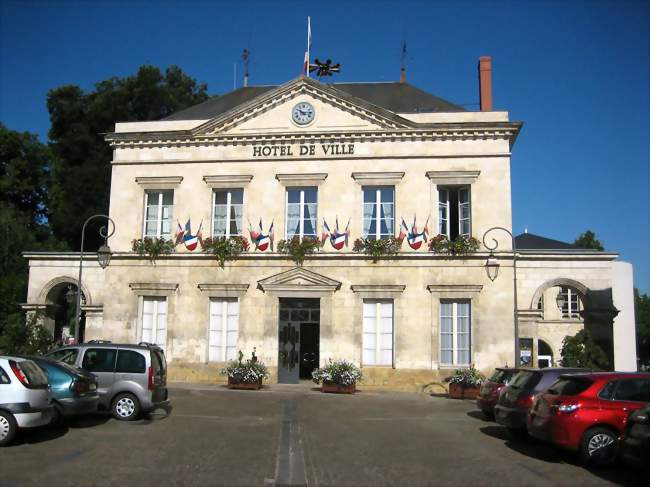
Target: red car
587, 412
489, 394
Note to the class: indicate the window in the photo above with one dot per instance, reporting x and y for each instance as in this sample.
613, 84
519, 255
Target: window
4, 378
378, 212
99, 360
154, 321
158, 213
227, 212
302, 212
455, 333
130, 362
378, 332
571, 306
454, 212
224, 329
67, 355
633, 390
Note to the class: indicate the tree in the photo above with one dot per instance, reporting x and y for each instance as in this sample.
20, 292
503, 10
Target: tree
588, 240
82, 173
582, 351
642, 314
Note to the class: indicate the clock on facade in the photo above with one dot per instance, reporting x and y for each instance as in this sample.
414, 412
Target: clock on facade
303, 113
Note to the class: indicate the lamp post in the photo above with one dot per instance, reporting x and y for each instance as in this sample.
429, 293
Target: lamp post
492, 269
103, 257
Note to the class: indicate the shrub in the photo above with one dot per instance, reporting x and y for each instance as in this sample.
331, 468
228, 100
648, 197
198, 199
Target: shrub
582, 351
339, 372
152, 247
248, 372
469, 377
377, 248
225, 248
298, 249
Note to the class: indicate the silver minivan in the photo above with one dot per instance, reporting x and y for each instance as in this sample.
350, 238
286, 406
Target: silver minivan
25, 397
131, 379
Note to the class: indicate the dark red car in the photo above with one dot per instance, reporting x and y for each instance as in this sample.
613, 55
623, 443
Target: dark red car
489, 393
587, 412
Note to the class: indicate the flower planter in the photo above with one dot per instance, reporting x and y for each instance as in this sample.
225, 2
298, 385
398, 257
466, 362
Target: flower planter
250, 386
457, 391
338, 388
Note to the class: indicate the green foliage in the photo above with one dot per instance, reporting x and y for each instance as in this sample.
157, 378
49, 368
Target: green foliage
81, 174
588, 240
247, 372
152, 247
642, 314
339, 372
377, 248
225, 248
24, 338
469, 377
298, 249
461, 245
582, 351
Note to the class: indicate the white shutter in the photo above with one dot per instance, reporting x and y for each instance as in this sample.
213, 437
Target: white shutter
223, 333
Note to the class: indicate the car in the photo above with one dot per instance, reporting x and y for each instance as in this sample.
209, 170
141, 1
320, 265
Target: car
25, 398
634, 443
489, 393
516, 398
131, 379
587, 412
74, 390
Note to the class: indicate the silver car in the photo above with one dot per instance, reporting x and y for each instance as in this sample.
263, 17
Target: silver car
25, 397
131, 379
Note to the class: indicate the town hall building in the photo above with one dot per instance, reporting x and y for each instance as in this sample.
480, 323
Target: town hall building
343, 161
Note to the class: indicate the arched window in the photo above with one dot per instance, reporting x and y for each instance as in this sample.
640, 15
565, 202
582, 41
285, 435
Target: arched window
571, 304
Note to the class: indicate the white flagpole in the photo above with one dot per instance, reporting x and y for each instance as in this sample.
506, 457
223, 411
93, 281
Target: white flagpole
308, 53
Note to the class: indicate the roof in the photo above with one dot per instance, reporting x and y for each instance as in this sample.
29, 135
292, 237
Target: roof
529, 241
395, 97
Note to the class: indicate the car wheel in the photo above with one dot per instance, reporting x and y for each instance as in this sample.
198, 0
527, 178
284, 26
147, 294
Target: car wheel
598, 446
8, 428
126, 407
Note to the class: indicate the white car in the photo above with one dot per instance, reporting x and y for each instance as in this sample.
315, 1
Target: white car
25, 397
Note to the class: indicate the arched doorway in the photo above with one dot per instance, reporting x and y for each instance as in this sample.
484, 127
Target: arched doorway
60, 306
544, 354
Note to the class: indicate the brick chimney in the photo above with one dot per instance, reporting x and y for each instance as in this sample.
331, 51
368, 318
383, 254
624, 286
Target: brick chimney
485, 82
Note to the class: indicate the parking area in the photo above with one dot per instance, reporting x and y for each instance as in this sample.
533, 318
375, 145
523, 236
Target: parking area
293, 435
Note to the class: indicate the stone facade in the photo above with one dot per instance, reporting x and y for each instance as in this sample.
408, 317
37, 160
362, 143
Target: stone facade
350, 145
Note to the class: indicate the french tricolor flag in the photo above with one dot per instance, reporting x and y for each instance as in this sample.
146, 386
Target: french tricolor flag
414, 239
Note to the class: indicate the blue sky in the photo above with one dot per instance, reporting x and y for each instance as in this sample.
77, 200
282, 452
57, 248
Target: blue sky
576, 73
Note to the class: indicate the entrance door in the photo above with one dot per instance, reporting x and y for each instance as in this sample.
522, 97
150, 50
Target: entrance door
298, 339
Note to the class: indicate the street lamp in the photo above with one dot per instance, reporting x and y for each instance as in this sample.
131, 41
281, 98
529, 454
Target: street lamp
103, 257
492, 269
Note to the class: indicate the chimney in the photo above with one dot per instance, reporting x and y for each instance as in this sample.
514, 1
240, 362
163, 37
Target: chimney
485, 82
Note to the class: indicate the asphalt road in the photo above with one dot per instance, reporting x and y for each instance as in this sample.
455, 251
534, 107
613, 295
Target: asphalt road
293, 435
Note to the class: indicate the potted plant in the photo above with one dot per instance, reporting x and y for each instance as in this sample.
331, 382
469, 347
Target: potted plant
245, 375
465, 383
338, 376
461, 245
377, 248
225, 248
298, 249
152, 247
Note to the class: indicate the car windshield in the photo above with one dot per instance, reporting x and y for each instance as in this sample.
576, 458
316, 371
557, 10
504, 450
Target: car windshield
67, 355
525, 379
570, 386
502, 376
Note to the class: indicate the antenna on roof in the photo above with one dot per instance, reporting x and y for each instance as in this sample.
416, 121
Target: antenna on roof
245, 58
525, 228
402, 77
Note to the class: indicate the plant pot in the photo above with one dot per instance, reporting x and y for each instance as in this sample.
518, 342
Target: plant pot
250, 386
457, 391
338, 388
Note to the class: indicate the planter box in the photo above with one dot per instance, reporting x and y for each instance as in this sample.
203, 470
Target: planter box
338, 389
457, 391
251, 386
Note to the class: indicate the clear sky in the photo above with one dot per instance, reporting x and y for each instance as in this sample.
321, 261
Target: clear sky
575, 72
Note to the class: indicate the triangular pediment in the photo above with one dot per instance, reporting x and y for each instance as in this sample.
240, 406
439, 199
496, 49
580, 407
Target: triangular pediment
297, 279
271, 112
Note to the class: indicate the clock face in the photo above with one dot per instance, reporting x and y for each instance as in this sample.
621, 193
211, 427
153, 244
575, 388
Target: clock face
303, 113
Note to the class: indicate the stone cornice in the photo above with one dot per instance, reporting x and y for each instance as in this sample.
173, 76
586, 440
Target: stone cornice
159, 182
153, 286
227, 181
224, 290
453, 177
469, 289
378, 178
309, 179
377, 288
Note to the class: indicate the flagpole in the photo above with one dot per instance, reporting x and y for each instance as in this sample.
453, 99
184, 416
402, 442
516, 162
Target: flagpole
308, 60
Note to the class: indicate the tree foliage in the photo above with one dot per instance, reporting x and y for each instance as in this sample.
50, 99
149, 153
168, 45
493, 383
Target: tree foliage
642, 314
82, 172
588, 240
582, 351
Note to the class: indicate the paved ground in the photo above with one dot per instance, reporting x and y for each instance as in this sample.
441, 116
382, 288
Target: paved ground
293, 435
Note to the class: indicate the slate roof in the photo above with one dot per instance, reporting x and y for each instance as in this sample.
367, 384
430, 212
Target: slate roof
529, 241
396, 97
